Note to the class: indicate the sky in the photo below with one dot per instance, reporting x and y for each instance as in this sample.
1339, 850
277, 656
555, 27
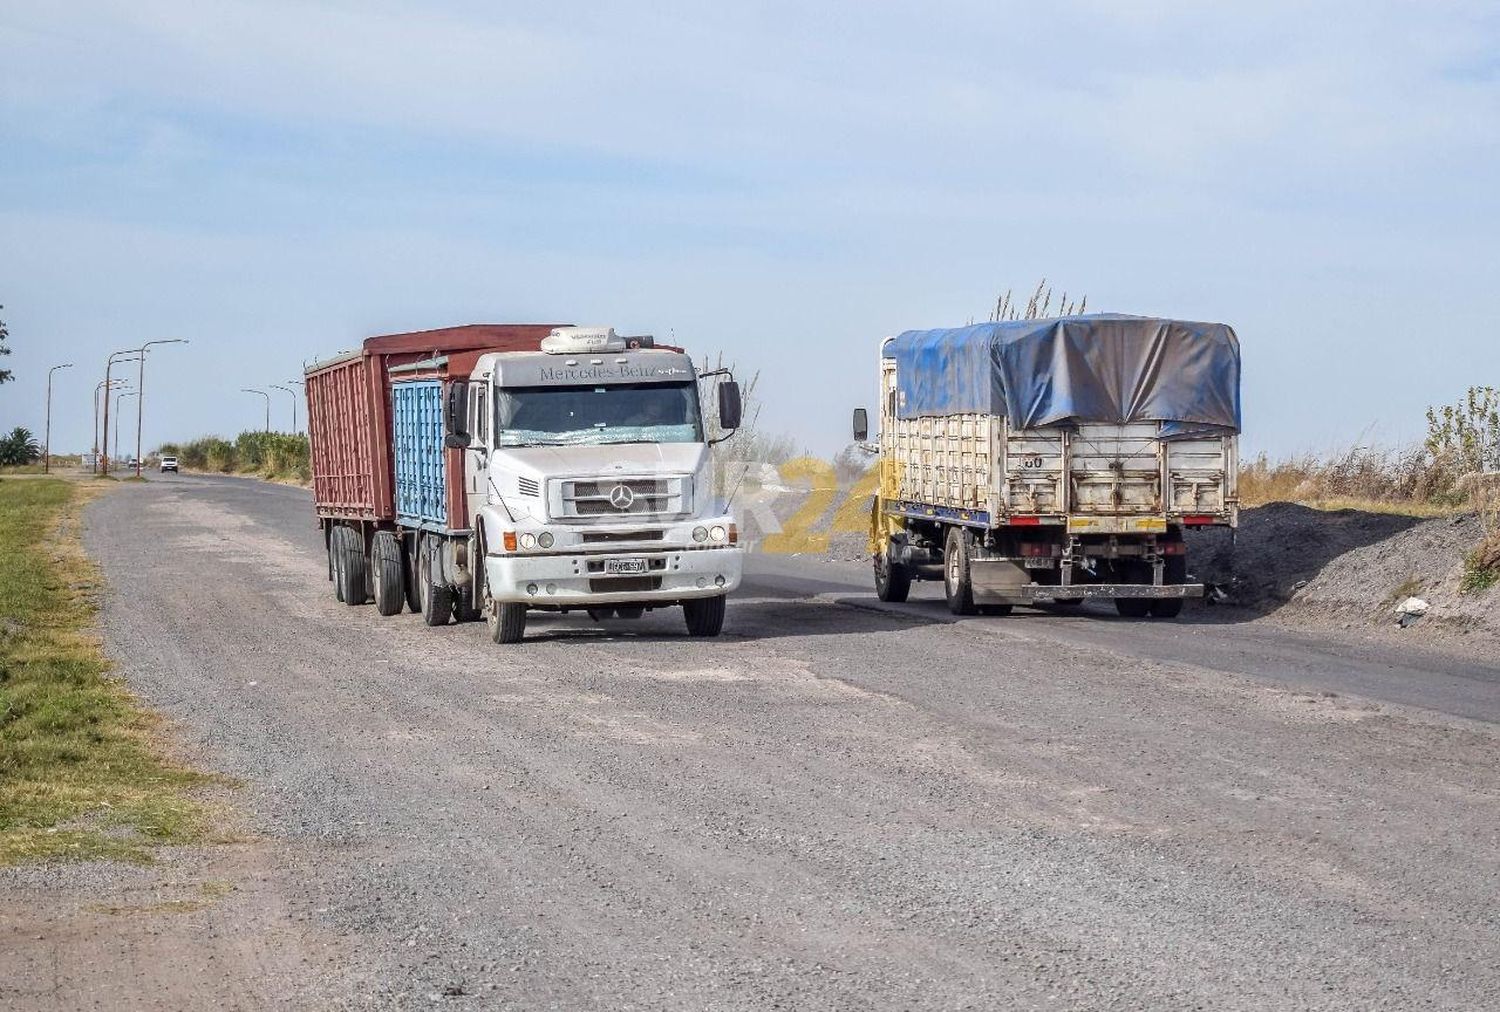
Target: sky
782, 183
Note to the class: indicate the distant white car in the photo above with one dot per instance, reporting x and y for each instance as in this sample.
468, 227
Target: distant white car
169, 464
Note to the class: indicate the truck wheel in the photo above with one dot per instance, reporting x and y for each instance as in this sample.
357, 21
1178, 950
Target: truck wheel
1174, 572
507, 622
389, 580
409, 547
956, 573
892, 579
705, 615
353, 576
336, 562
437, 602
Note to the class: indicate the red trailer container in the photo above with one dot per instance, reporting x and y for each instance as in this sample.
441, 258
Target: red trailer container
349, 413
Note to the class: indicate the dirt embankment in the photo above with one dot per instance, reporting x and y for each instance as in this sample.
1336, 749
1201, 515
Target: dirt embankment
1349, 566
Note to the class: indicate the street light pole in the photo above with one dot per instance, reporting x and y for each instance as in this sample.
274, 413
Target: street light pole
303, 384
140, 389
98, 387
47, 431
293, 395
247, 390
118, 398
109, 364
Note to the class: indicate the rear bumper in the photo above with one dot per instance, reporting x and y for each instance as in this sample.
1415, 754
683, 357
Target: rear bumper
565, 580
1036, 592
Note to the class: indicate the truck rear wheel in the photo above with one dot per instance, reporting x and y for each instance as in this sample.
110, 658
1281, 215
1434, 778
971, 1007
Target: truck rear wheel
506, 622
336, 562
892, 579
704, 615
388, 577
353, 576
956, 573
437, 602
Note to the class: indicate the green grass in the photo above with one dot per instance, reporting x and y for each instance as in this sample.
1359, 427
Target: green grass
82, 769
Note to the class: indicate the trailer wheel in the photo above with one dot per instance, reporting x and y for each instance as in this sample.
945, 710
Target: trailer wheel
389, 580
437, 602
506, 622
704, 615
409, 546
353, 575
892, 579
956, 573
336, 562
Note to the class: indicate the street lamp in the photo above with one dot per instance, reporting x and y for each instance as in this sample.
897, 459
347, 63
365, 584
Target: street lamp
247, 390
98, 387
303, 384
293, 395
140, 388
47, 432
108, 365
118, 398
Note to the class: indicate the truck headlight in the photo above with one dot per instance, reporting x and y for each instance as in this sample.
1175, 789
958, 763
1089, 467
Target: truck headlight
528, 541
545, 539
717, 533
700, 534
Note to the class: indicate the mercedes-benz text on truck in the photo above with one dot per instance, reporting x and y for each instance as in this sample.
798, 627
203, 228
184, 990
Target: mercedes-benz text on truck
492, 470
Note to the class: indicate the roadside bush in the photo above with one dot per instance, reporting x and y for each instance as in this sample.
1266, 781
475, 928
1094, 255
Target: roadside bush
269, 454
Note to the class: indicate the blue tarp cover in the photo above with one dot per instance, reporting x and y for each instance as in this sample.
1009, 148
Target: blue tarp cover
1096, 368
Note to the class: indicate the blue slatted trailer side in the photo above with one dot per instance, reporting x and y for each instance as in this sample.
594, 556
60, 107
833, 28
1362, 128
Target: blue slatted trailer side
417, 446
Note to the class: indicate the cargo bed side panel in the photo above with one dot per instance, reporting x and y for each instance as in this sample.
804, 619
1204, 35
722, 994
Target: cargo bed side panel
421, 481
341, 432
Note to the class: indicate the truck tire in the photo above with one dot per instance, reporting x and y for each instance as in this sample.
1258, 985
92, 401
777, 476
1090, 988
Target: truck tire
704, 615
409, 570
437, 601
506, 622
353, 575
892, 579
956, 581
335, 562
388, 576
1174, 573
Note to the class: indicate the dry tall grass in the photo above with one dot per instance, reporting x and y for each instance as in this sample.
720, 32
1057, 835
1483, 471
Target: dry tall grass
1408, 480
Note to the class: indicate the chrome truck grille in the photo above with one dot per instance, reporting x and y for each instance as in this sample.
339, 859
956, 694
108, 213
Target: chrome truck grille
590, 498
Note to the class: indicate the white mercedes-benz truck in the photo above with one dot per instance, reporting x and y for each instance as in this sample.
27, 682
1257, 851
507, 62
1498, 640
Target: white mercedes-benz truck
495, 470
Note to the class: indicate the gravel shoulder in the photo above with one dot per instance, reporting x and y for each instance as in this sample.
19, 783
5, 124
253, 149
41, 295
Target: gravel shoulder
832, 806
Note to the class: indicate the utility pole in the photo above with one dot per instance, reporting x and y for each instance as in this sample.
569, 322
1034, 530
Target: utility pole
47, 431
293, 395
140, 389
247, 390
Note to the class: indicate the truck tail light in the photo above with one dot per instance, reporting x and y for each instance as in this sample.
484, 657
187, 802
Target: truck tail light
1036, 550
509, 540
1199, 520
1025, 521
734, 534
1172, 548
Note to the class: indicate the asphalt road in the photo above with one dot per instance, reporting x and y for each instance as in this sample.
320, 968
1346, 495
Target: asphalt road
835, 805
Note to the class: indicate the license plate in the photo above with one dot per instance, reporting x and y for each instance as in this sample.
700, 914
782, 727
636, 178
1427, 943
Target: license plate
1036, 563
624, 567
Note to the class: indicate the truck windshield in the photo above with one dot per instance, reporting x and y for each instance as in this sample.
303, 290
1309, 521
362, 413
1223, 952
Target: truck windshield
594, 415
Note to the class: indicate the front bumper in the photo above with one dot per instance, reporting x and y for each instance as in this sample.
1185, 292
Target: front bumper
576, 579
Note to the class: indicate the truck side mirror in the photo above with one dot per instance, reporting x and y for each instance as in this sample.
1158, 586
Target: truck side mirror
730, 406
861, 425
456, 413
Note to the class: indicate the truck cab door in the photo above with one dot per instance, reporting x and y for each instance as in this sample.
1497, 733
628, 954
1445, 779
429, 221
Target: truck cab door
477, 455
